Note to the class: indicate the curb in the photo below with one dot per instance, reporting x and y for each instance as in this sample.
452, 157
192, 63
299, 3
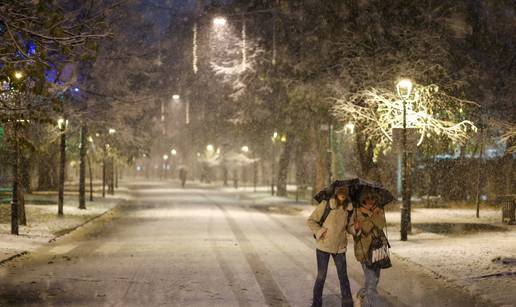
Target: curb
13, 257
69, 230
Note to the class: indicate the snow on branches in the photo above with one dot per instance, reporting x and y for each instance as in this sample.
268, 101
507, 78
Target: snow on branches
431, 111
233, 58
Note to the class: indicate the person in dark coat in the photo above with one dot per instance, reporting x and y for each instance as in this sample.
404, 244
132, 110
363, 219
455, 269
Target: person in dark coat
366, 222
182, 176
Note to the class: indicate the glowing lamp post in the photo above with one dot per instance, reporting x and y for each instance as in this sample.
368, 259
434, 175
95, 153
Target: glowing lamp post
404, 88
18, 75
219, 21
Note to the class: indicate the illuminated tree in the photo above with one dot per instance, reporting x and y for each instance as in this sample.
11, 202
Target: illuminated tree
431, 111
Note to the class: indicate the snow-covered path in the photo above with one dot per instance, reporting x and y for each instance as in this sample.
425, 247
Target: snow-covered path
195, 247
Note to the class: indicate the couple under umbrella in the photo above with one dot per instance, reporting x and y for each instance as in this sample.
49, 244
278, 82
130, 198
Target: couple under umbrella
365, 219
356, 187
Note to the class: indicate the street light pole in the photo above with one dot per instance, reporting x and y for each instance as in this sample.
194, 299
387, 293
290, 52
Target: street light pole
404, 88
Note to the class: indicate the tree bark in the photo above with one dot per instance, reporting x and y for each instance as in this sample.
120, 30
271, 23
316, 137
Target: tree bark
82, 167
62, 164
91, 176
508, 163
319, 145
14, 197
111, 181
480, 163
365, 152
284, 163
22, 218
104, 174
23, 177
46, 171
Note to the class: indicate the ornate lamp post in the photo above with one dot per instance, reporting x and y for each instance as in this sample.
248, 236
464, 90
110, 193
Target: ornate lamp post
404, 88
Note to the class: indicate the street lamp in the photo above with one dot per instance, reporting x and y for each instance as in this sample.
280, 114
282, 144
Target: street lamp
404, 88
173, 152
18, 75
111, 131
219, 21
245, 149
349, 128
176, 97
210, 148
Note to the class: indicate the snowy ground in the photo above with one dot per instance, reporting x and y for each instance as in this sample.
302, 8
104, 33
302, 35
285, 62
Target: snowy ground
478, 255
43, 224
226, 247
481, 262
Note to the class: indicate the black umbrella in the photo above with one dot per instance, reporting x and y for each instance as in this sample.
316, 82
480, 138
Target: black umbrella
356, 187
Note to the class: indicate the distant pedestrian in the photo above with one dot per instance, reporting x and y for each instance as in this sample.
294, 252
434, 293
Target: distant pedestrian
366, 224
182, 176
329, 222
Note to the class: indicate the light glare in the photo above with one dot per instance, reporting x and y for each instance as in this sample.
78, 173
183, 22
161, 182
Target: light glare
219, 21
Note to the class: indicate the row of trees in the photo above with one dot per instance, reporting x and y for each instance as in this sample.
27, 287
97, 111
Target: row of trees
297, 68
58, 69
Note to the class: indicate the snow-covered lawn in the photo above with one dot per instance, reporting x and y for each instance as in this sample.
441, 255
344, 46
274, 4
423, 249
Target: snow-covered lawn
483, 262
43, 224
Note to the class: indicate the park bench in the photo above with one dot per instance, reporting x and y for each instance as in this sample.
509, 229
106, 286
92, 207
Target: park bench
508, 203
5, 195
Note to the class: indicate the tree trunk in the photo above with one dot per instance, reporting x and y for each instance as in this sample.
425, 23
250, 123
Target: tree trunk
508, 163
62, 164
22, 218
224, 173
104, 175
476, 10
111, 181
284, 165
319, 145
82, 167
91, 177
15, 182
46, 171
25, 174
365, 152
23, 177
235, 178
478, 188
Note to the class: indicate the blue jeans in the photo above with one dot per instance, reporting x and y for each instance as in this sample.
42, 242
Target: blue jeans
322, 269
369, 294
